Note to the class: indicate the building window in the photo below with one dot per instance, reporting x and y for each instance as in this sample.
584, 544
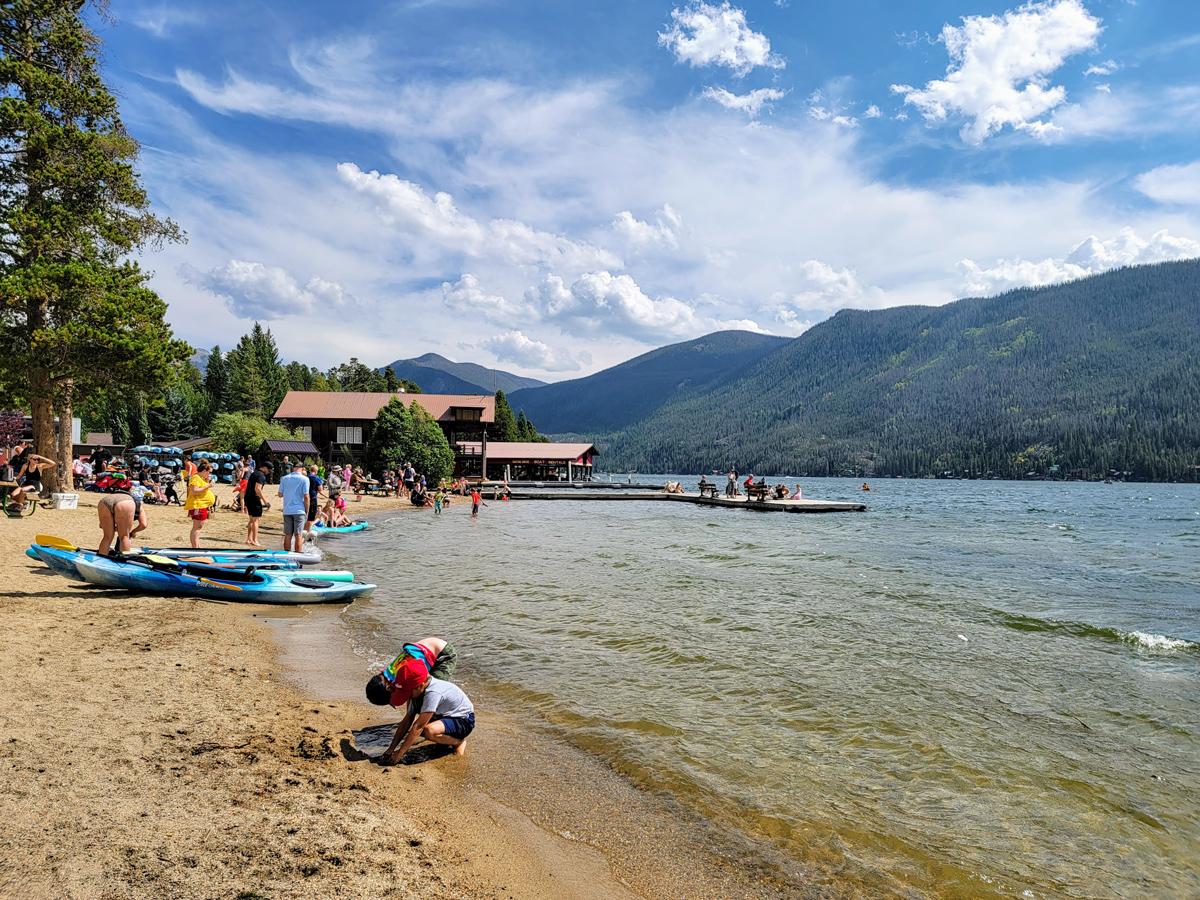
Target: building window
305, 432
349, 434
467, 414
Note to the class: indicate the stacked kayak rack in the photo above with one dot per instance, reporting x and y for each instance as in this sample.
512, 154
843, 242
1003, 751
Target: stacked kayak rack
248, 576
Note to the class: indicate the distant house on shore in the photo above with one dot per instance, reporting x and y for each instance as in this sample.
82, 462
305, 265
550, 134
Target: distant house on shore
528, 461
340, 424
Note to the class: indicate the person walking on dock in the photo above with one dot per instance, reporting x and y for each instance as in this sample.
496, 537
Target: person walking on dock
731, 484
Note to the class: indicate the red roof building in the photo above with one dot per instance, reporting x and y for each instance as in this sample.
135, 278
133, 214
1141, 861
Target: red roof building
340, 424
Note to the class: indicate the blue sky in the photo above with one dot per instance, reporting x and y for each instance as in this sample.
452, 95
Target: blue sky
553, 187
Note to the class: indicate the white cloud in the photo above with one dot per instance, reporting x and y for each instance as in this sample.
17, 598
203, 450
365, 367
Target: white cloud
162, 19
640, 235
601, 300
1088, 257
436, 219
467, 297
252, 290
1171, 184
705, 34
873, 112
517, 347
816, 289
750, 103
845, 121
1000, 66
1105, 68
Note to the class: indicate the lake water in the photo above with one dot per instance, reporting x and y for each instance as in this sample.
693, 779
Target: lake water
973, 687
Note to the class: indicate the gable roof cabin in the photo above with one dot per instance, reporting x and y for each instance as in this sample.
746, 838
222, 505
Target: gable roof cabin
340, 424
364, 406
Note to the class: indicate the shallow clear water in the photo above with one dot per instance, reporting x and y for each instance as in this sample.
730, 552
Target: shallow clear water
973, 686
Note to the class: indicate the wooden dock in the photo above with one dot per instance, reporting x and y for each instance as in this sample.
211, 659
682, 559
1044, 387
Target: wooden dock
792, 506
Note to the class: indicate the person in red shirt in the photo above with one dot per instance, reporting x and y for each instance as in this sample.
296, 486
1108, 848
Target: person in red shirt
476, 501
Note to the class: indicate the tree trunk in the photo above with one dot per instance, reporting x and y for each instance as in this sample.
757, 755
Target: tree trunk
43, 419
64, 406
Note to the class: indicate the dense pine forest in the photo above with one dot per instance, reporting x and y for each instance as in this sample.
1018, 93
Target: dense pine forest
1088, 379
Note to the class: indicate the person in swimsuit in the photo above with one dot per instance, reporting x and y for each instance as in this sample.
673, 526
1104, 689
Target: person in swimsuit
122, 514
28, 467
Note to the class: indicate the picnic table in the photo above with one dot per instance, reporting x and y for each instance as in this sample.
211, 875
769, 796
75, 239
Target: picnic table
372, 487
708, 490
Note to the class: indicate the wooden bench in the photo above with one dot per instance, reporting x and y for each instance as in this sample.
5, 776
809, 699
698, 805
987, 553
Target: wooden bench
708, 490
760, 492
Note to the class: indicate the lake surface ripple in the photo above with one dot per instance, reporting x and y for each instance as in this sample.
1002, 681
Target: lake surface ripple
974, 687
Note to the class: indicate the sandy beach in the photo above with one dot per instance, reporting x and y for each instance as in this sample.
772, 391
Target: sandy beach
156, 746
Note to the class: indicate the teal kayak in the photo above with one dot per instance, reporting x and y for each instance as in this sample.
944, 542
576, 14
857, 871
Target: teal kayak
247, 586
64, 562
340, 529
235, 554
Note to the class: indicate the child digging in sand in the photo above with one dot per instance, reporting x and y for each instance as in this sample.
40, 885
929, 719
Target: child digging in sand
438, 711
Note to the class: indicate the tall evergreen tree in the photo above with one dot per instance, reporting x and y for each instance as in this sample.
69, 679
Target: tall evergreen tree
505, 427
216, 381
270, 368
391, 383
247, 386
77, 317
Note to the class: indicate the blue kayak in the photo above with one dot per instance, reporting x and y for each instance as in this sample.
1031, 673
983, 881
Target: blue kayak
254, 586
63, 561
318, 528
251, 555
263, 583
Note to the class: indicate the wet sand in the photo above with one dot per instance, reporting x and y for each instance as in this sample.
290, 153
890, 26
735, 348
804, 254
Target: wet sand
164, 746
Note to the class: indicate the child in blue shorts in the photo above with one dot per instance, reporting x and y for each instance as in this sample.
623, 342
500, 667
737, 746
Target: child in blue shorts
438, 711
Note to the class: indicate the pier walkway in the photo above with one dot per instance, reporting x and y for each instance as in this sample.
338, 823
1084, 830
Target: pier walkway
792, 506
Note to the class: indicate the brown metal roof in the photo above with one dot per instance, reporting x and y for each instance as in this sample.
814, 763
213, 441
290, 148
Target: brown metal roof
501, 451
303, 447
366, 406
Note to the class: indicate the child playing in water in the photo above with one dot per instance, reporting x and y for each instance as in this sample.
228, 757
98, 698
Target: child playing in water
438, 499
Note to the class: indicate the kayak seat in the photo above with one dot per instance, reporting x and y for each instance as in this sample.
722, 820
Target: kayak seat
314, 583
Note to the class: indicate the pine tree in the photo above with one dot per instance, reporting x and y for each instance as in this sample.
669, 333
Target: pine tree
270, 368
247, 387
216, 382
79, 318
391, 383
505, 427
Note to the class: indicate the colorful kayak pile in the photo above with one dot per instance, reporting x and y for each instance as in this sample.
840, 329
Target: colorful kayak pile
248, 576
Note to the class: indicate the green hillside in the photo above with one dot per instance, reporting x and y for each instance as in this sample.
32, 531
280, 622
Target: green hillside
1097, 374
629, 392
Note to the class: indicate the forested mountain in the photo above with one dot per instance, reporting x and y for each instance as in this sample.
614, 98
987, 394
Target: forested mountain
629, 392
438, 375
1090, 376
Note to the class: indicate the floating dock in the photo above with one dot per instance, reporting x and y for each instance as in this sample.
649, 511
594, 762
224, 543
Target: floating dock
792, 506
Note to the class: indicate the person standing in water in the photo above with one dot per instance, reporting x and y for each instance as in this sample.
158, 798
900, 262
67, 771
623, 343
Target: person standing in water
476, 502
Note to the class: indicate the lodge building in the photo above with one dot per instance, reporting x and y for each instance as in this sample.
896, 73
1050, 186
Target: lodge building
339, 426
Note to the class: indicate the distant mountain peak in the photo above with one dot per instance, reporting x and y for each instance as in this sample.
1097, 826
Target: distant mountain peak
438, 375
